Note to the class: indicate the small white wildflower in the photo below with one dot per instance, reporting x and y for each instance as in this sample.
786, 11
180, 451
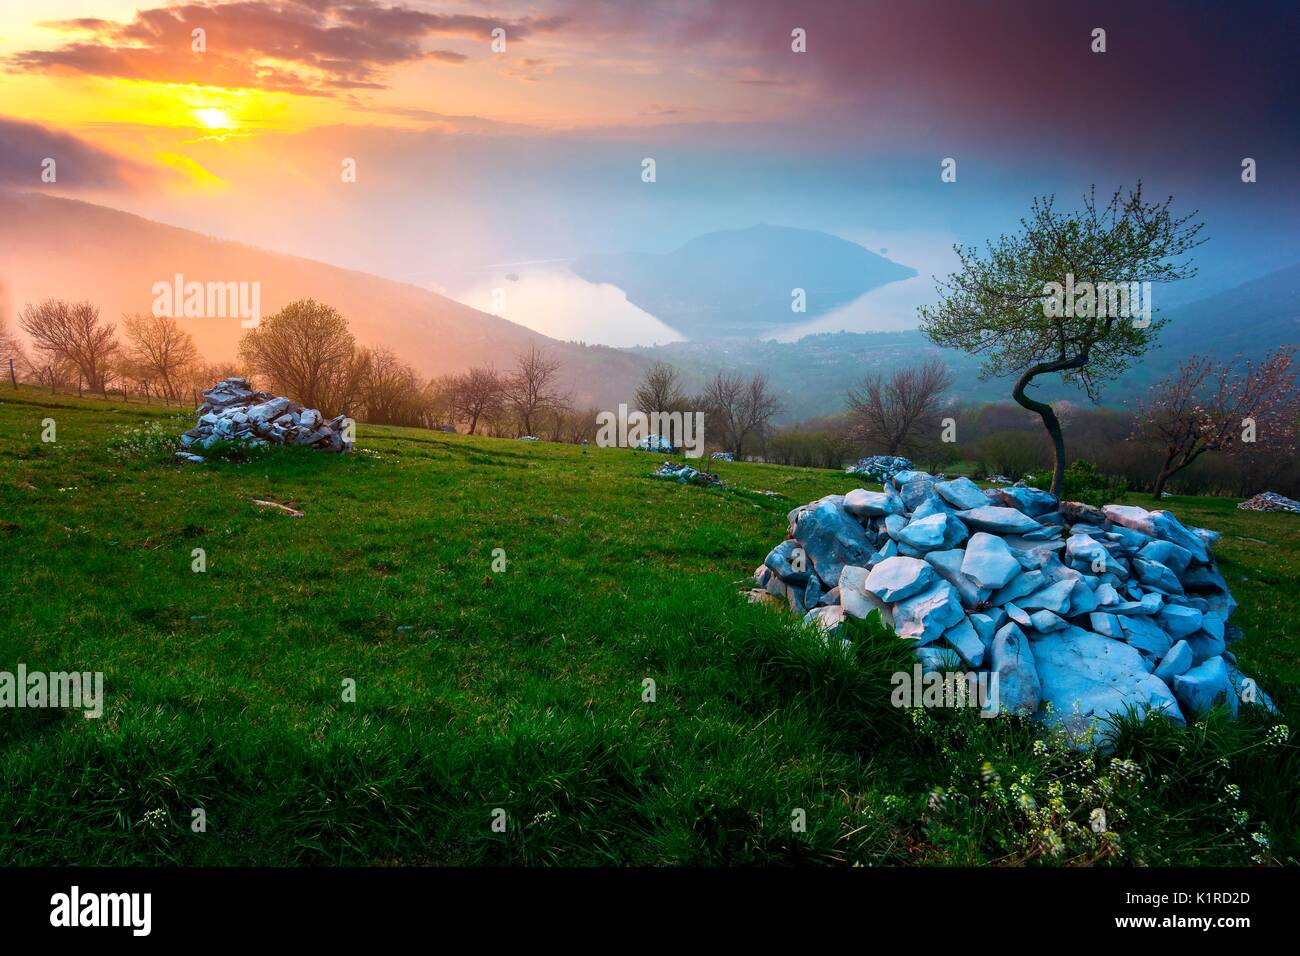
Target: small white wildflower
155, 819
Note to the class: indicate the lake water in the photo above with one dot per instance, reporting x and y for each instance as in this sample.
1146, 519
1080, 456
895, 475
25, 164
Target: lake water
548, 298
552, 300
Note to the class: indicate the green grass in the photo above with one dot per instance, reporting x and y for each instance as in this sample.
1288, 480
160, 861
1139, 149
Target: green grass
523, 690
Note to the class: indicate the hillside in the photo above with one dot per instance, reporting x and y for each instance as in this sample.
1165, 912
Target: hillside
52, 247
738, 282
1251, 319
523, 689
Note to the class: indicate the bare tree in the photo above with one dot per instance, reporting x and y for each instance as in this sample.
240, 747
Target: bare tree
899, 413
660, 390
1205, 407
391, 392
744, 407
305, 351
531, 389
478, 394
63, 332
160, 349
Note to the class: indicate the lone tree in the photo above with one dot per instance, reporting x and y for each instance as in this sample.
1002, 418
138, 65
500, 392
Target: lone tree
478, 394
1205, 406
160, 351
532, 389
901, 412
660, 390
306, 352
1014, 307
744, 406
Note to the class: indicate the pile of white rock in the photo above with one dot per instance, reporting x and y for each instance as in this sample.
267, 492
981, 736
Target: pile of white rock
655, 443
232, 411
1270, 501
1083, 613
880, 467
686, 475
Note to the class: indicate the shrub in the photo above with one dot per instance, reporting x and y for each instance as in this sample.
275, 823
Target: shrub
1083, 482
1011, 453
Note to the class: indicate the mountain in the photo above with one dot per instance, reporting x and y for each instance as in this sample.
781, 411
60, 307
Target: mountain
813, 374
51, 247
63, 248
1252, 318
738, 283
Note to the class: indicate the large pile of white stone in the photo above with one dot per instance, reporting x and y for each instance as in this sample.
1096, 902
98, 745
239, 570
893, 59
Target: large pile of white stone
233, 411
1083, 613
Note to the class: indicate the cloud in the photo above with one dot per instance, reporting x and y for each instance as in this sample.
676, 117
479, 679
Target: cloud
996, 70
309, 47
78, 165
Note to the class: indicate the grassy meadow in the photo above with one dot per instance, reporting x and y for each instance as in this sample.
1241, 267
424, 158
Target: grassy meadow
478, 690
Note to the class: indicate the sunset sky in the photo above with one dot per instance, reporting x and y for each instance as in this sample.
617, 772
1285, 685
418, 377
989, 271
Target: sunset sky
468, 158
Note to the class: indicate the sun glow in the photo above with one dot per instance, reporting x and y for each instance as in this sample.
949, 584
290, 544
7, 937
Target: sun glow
212, 117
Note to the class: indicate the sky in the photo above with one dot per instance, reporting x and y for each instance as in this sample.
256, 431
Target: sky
472, 158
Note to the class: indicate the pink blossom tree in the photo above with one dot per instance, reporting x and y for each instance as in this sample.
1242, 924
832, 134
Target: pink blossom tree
1207, 406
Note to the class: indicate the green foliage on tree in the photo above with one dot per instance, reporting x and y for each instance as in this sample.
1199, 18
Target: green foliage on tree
1007, 306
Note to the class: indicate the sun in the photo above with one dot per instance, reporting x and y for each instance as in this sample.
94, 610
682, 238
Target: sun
213, 117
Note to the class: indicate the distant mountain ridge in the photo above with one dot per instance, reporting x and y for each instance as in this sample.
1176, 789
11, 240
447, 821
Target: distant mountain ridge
1251, 319
68, 249
813, 374
76, 250
740, 282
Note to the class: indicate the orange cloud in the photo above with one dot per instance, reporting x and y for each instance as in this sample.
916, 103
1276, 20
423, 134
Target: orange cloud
307, 47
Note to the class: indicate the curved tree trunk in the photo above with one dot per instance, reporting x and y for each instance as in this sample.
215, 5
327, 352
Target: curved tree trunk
1167, 471
1159, 488
1047, 414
